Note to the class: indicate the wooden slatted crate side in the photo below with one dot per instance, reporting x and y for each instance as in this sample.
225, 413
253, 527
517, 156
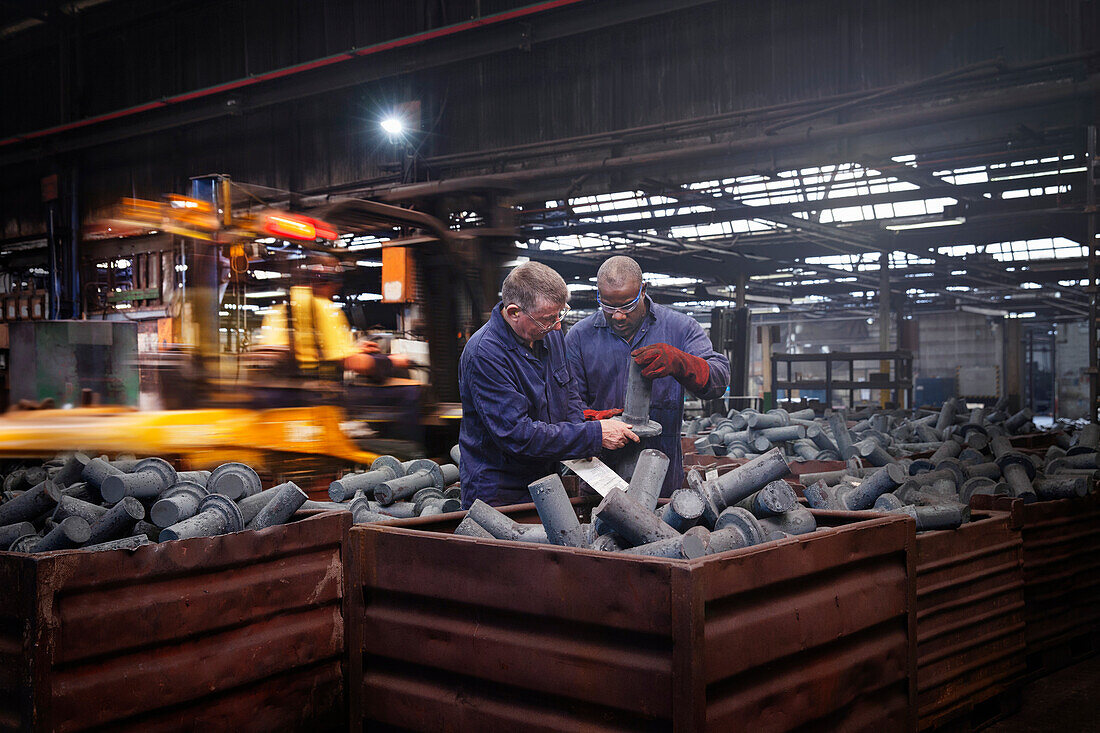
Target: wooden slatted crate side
128, 635
425, 572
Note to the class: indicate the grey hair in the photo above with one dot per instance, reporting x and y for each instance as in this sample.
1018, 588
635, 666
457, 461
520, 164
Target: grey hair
619, 272
532, 285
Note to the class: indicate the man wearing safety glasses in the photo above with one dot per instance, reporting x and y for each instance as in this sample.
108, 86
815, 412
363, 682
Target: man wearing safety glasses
671, 347
521, 412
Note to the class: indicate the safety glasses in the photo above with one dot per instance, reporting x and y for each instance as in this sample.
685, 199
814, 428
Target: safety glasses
611, 310
547, 329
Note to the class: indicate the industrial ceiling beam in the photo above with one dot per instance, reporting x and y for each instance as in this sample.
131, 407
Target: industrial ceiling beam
508, 31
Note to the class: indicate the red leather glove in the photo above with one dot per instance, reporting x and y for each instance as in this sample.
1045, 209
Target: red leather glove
602, 414
662, 360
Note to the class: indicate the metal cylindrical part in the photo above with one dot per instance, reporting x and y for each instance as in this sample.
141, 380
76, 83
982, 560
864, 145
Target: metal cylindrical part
806, 414
937, 516
794, 522
784, 433
469, 528
820, 439
287, 500
11, 532
1018, 420
776, 498
723, 540
1081, 460
639, 395
610, 542
948, 449
217, 515
751, 476
682, 547
177, 504
403, 487
124, 543
1018, 481
72, 470
345, 488
456, 454
69, 532
841, 436
820, 496
773, 419
147, 530
503, 527
557, 514
151, 477
250, 506
398, 509
805, 450
830, 478
947, 415
1062, 488
68, 506
872, 452
976, 485
118, 521
632, 521
703, 447
31, 504
98, 469
499, 525
888, 503
196, 477
683, 510
648, 478
887, 478
234, 481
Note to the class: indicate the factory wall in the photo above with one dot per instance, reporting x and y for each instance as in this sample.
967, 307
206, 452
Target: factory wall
1071, 364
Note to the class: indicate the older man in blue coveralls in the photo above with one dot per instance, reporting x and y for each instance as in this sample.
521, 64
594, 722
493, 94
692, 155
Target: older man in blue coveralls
670, 346
521, 412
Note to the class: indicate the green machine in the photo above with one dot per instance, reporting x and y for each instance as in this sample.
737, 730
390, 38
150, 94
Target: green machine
61, 359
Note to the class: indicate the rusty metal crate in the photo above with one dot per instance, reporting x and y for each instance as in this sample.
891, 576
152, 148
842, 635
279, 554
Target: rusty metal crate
970, 615
1061, 569
468, 634
243, 631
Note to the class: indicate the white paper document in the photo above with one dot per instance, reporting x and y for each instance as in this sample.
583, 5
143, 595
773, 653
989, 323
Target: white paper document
596, 474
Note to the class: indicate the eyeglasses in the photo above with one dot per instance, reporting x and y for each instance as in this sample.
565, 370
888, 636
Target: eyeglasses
547, 329
611, 310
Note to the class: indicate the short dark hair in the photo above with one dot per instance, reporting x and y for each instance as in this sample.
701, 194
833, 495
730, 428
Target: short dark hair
618, 272
533, 284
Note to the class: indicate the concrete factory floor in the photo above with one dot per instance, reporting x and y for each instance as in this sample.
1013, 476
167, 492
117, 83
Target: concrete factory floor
1068, 700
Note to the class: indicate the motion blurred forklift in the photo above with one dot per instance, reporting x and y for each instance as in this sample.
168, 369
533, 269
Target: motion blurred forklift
313, 428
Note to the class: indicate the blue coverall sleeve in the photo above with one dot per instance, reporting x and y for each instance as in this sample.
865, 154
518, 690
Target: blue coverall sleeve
504, 409
698, 344
576, 366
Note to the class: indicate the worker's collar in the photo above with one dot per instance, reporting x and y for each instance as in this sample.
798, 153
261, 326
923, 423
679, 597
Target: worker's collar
600, 321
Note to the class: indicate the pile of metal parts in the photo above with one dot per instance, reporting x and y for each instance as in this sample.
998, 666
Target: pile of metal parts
802, 435
393, 489
93, 504
747, 506
927, 465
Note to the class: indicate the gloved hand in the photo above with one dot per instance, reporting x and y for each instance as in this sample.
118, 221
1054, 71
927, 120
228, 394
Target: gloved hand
662, 360
602, 414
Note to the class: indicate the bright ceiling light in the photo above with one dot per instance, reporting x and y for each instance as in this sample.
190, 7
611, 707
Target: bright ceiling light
393, 125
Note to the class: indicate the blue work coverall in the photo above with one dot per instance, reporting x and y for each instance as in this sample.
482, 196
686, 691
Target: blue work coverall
600, 360
521, 414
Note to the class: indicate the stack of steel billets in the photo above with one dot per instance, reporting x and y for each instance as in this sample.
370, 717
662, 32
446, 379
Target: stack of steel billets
76, 502
747, 506
392, 489
875, 438
938, 461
